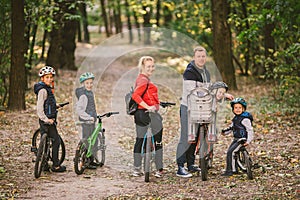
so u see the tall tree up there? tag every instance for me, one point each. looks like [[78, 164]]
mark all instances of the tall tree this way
[[17, 78], [128, 21], [222, 41], [69, 34], [104, 17]]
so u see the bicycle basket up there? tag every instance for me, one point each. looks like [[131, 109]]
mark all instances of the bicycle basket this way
[[200, 105]]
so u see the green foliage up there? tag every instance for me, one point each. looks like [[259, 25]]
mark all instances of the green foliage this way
[[287, 74]]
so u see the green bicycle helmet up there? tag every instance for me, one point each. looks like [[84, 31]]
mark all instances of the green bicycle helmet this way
[[240, 101], [86, 76]]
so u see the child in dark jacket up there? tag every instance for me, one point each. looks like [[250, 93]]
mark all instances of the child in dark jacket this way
[[242, 128], [47, 112]]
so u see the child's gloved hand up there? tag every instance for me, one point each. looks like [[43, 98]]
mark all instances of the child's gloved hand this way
[[223, 132], [226, 130]]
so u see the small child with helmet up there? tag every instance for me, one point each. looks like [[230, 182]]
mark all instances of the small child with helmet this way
[[242, 128], [47, 112], [86, 107]]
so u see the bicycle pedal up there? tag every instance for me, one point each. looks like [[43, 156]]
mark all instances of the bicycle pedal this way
[[33, 149]]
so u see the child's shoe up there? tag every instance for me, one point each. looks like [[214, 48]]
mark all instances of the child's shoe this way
[[227, 174], [60, 168], [193, 168], [137, 172], [159, 173]]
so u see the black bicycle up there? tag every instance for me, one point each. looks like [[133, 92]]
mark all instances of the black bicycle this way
[[243, 159], [149, 145], [43, 150]]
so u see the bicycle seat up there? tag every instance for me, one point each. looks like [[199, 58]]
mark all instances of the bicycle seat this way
[[242, 140]]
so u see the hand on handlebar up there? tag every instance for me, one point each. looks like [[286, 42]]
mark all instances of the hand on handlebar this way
[[152, 109], [50, 121]]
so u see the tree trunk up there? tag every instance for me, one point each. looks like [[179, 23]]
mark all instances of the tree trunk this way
[[128, 22], [17, 78], [43, 45], [137, 25], [222, 41], [158, 5], [79, 38], [55, 54], [86, 34], [147, 25], [31, 48], [104, 17], [68, 37], [167, 15]]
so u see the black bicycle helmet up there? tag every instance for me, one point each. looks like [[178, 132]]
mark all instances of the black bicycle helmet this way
[[219, 84], [240, 101]]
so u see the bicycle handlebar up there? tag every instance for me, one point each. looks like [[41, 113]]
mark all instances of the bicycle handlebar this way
[[63, 104], [166, 104], [107, 115]]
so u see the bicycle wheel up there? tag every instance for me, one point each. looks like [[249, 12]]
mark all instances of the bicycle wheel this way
[[147, 160], [80, 160], [101, 147], [248, 164], [61, 152], [41, 158], [203, 154], [240, 160]]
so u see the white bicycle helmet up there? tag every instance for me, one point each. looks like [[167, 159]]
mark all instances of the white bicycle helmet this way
[[46, 70]]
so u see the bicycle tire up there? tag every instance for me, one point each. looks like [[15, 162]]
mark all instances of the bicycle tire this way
[[41, 158], [61, 151], [204, 169], [240, 159], [80, 160], [101, 147], [203, 155], [147, 161], [248, 164]]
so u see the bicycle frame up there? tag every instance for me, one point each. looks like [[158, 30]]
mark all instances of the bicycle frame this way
[[150, 145], [93, 138]]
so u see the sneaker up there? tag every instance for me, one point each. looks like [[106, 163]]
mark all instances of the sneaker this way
[[158, 174], [137, 172], [227, 174], [95, 163], [183, 173], [193, 168], [60, 168], [90, 166]]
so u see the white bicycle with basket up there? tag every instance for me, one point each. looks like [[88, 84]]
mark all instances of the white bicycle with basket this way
[[202, 109]]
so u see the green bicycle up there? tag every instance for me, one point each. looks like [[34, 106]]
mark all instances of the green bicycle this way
[[92, 148]]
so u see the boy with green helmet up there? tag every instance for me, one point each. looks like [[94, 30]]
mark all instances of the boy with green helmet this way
[[86, 107]]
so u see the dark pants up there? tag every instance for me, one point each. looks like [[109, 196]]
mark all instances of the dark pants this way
[[230, 160], [142, 120], [87, 130], [185, 151], [51, 130]]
